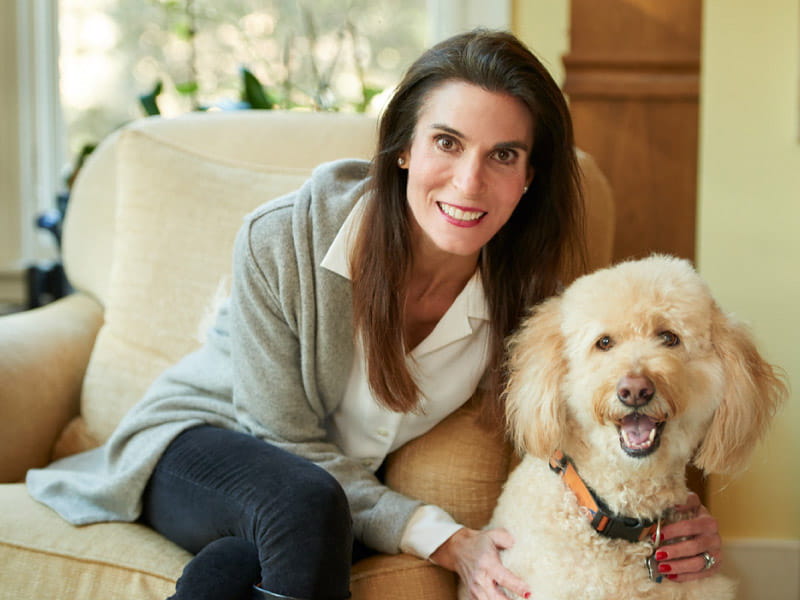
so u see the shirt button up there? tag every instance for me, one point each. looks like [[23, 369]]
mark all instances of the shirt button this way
[[383, 432]]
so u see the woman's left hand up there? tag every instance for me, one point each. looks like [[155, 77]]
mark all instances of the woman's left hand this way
[[694, 539]]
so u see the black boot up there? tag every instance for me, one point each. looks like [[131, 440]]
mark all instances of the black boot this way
[[262, 594]]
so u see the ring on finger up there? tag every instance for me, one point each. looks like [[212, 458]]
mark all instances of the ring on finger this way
[[710, 561]]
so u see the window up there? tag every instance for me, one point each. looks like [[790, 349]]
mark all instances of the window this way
[[320, 54]]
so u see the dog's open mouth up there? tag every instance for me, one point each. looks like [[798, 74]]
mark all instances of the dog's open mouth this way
[[639, 435]]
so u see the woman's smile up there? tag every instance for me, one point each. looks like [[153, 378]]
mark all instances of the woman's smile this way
[[461, 216]]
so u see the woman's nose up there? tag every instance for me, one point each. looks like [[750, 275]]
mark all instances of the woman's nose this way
[[469, 177]]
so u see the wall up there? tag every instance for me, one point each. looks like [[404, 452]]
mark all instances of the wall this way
[[748, 247], [748, 250], [750, 214], [544, 26]]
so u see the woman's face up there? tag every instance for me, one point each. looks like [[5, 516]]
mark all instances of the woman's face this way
[[467, 167]]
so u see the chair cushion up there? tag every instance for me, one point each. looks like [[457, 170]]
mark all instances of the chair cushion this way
[[43, 556], [270, 137], [50, 558], [401, 577], [460, 466], [177, 215]]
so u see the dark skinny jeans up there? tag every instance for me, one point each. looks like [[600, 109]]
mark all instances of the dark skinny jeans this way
[[251, 513]]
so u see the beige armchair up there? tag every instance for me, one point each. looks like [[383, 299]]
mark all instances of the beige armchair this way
[[147, 245]]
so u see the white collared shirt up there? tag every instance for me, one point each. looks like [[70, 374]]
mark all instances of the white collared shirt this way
[[447, 367]]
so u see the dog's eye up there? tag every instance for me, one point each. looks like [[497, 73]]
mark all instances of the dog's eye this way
[[605, 343], [669, 338]]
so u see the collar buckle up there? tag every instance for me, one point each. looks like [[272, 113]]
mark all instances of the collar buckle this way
[[602, 519]]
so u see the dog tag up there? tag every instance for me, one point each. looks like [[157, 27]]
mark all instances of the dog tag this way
[[652, 568], [650, 562]]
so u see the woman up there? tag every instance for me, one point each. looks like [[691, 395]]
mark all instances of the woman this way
[[365, 308]]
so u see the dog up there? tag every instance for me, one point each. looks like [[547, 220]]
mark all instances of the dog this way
[[615, 385]]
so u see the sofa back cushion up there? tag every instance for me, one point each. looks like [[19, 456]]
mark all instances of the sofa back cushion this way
[[178, 209], [277, 139]]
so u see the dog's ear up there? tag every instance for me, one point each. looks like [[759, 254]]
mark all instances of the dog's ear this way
[[754, 390], [534, 409]]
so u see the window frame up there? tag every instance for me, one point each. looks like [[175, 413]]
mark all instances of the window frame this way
[[448, 17], [40, 145]]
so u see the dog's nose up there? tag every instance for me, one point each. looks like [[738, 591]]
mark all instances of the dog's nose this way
[[635, 390]]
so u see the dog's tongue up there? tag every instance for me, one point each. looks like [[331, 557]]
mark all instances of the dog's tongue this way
[[636, 429]]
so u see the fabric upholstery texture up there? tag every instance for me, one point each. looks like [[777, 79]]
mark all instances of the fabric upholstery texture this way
[[162, 260], [41, 551], [459, 465], [401, 577], [147, 243]]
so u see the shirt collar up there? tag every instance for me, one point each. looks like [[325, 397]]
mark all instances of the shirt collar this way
[[337, 257], [462, 319]]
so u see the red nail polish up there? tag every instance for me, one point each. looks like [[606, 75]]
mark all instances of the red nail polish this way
[[672, 576], [527, 595], [664, 568], [661, 555]]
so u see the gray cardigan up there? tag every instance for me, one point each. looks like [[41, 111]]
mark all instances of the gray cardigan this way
[[272, 366]]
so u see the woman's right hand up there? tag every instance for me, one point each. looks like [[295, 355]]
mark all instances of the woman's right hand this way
[[475, 556]]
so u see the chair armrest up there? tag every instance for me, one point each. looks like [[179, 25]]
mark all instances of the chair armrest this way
[[459, 465], [401, 577], [600, 213], [43, 357]]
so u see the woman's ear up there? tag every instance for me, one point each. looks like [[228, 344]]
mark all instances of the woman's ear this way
[[531, 175], [402, 160], [534, 405], [754, 390]]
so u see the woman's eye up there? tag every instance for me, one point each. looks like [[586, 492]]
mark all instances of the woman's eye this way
[[605, 343], [669, 339], [445, 143], [505, 156]]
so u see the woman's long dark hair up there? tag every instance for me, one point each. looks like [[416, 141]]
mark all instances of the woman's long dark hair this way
[[522, 264]]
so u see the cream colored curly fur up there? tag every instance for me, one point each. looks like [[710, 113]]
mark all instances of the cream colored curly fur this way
[[713, 389]]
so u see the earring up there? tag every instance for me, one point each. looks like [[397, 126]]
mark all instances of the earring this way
[[525, 190], [401, 161]]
